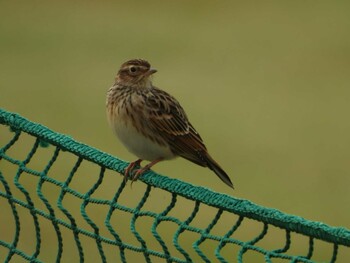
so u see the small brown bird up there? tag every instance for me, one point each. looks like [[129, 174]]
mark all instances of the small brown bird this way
[[151, 123]]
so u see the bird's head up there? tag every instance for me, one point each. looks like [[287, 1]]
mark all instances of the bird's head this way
[[135, 73]]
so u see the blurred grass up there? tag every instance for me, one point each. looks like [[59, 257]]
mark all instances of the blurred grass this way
[[266, 85]]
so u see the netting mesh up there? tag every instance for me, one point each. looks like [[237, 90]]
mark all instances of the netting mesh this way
[[85, 213]]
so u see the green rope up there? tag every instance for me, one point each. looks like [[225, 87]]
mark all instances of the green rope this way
[[89, 220], [29, 200], [18, 197], [49, 207]]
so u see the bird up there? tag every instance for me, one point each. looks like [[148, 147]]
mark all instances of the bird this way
[[152, 124]]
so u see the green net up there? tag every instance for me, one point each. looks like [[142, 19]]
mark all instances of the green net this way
[[86, 214]]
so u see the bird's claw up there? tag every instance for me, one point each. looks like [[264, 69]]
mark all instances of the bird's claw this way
[[129, 169], [138, 173]]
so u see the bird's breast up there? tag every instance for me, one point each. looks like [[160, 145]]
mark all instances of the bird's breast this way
[[130, 127]]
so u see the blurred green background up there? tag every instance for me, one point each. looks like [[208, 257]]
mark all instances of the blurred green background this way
[[265, 83]]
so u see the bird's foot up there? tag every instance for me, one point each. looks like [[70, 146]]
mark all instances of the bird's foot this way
[[129, 169], [140, 171]]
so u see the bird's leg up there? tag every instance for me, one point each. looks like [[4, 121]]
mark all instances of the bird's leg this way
[[144, 169], [130, 167]]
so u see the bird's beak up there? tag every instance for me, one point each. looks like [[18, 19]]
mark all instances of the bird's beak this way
[[151, 71]]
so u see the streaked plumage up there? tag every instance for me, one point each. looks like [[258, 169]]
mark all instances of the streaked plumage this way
[[151, 123]]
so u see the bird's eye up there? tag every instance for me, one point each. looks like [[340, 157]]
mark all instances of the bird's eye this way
[[133, 69]]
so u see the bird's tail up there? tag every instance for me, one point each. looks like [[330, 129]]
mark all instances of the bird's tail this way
[[214, 166]]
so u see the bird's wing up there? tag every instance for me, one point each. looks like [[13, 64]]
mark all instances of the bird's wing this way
[[167, 118]]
